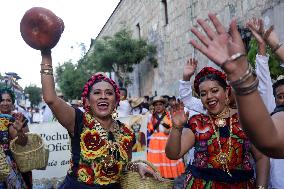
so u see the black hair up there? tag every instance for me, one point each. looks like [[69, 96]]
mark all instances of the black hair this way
[[147, 97], [9, 92], [166, 97], [172, 97], [214, 77], [276, 85], [123, 89]]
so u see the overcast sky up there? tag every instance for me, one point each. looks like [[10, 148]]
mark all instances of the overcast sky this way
[[83, 20]]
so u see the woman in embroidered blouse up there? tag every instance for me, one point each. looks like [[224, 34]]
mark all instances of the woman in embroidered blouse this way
[[222, 150], [158, 130], [101, 146], [12, 125]]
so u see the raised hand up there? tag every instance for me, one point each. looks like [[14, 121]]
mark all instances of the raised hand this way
[[189, 68], [219, 45], [257, 29], [178, 116]]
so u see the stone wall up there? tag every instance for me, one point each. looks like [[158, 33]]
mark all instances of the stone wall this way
[[172, 39]]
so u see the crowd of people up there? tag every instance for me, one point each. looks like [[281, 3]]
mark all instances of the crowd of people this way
[[221, 132]]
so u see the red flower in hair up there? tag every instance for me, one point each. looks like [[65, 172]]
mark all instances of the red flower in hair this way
[[206, 71]]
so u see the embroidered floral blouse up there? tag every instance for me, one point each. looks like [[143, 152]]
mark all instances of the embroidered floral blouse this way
[[5, 122], [207, 147], [98, 156]]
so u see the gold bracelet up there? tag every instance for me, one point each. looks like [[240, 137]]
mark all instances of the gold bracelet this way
[[245, 90], [243, 78], [47, 71], [234, 57]]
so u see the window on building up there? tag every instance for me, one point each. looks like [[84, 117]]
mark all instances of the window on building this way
[[138, 30], [165, 7]]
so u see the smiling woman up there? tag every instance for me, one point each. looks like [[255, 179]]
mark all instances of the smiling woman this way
[[101, 146], [222, 150]]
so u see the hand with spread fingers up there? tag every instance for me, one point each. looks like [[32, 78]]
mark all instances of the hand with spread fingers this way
[[179, 117], [221, 46], [189, 68], [257, 29]]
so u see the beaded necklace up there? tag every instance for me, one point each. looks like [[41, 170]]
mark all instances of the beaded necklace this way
[[223, 157]]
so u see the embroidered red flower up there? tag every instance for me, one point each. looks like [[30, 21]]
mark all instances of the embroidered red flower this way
[[92, 145], [201, 127], [108, 174]]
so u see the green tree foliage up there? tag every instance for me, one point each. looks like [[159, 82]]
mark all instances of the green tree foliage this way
[[34, 93], [71, 78], [274, 64], [119, 53]]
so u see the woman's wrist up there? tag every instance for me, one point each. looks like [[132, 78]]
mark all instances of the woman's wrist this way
[[186, 77], [239, 67], [262, 49]]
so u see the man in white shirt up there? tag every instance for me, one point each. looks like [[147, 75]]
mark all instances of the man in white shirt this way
[[124, 107]]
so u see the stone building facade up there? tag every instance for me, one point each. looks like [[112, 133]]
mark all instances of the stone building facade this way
[[167, 23]]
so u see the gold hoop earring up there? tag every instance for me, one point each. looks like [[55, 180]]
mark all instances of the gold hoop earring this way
[[114, 114], [227, 101]]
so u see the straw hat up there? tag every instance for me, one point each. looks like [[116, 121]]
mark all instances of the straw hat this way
[[159, 99], [280, 77], [136, 101]]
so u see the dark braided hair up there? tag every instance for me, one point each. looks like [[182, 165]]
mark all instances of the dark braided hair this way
[[8, 91], [93, 80]]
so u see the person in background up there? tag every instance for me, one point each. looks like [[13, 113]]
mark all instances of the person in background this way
[[36, 116], [278, 92], [146, 103], [124, 108], [171, 102], [136, 104], [47, 115], [158, 129], [13, 125]]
